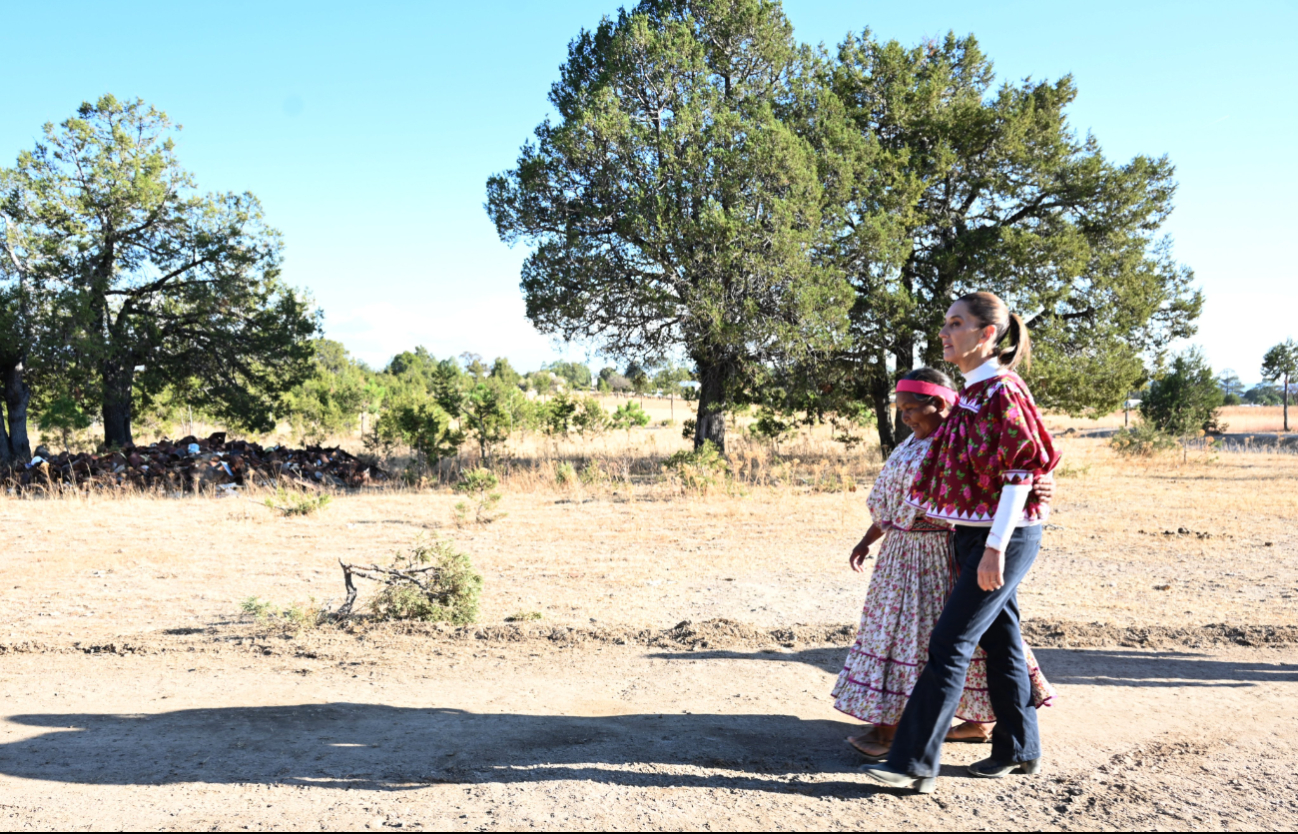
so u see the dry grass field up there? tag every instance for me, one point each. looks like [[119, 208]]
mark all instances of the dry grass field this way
[[1237, 419], [135, 695]]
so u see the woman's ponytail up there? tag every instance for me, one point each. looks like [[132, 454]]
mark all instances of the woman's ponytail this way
[[988, 310], [1019, 353]]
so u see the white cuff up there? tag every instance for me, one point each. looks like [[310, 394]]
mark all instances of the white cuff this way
[[1009, 512]]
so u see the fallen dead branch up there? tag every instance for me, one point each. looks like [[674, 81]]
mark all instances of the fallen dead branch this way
[[387, 576], [432, 582]]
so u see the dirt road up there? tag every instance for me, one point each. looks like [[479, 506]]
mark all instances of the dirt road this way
[[130, 696], [228, 729]]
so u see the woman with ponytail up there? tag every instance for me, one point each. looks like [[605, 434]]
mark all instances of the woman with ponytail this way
[[977, 474], [908, 588]]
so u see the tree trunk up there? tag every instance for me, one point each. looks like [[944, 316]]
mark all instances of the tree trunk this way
[[118, 382], [6, 456], [17, 395], [883, 413], [1285, 395], [711, 421], [904, 356]]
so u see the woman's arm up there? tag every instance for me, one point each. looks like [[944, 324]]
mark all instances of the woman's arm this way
[[862, 550], [991, 570], [1014, 497], [1024, 447]]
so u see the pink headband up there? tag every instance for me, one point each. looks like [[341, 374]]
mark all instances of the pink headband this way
[[927, 389]]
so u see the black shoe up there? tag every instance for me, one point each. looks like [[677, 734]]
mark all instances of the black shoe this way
[[992, 769], [904, 781]]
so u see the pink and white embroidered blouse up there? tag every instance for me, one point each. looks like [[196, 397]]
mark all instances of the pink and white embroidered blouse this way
[[994, 438], [887, 500]]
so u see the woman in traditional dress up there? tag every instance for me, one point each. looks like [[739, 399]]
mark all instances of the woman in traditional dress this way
[[910, 584], [978, 474]]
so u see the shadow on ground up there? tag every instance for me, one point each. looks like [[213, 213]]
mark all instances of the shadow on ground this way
[[1074, 667], [378, 747], [1118, 667]]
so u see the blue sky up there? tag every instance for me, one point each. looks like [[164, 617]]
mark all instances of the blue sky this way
[[368, 131]]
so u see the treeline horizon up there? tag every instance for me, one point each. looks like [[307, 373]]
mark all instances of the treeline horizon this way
[[428, 405], [432, 407], [789, 221]]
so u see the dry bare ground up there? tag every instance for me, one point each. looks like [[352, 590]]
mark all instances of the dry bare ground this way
[[678, 677]]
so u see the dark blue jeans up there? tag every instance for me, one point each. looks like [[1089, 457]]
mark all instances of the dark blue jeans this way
[[974, 617]]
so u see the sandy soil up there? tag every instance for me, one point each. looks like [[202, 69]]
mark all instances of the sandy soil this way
[[338, 732], [134, 697]]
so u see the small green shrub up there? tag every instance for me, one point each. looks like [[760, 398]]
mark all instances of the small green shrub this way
[[257, 608], [772, 426], [1142, 441], [422, 424], [698, 471], [478, 484], [299, 615], [837, 482], [523, 616], [449, 592], [296, 503], [688, 427], [593, 473], [629, 416], [296, 616], [590, 419], [558, 414], [565, 474], [1070, 470]]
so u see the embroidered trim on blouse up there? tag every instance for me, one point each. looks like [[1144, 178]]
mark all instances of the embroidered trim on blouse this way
[[919, 526]]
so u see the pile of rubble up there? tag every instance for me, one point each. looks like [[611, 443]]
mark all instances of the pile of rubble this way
[[191, 464]]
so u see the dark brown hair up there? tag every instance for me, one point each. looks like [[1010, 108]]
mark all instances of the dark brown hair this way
[[988, 310], [935, 377]]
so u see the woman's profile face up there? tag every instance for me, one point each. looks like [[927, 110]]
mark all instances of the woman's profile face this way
[[920, 417], [962, 337]]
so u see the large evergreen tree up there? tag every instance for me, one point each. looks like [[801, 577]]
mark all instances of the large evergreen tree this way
[[1008, 198], [38, 366], [157, 284], [17, 322], [677, 200]]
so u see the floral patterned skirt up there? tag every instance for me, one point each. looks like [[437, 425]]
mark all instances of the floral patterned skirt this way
[[911, 581]]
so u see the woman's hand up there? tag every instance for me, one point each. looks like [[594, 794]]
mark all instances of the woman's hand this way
[[1043, 488], [991, 570], [862, 550], [859, 554]]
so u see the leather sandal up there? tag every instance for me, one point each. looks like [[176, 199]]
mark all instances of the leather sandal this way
[[870, 739], [868, 755], [968, 739], [992, 769]]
